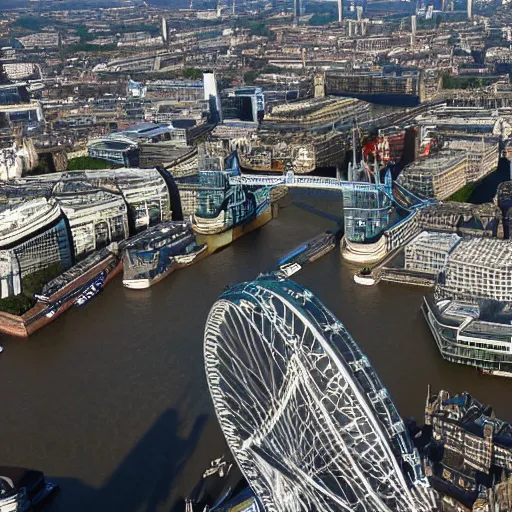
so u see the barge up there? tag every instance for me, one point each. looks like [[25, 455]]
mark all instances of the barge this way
[[310, 251], [153, 254], [23, 489], [69, 289]]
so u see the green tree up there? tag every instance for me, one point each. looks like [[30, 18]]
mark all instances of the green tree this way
[[192, 73], [250, 76], [82, 163]]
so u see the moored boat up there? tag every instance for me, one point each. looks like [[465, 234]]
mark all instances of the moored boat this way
[[365, 280], [288, 269], [23, 489], [64, 291], [496, 373], [312, 250], [91, 290], [152, 255]]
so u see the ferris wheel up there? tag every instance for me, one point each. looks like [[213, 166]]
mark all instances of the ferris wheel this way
[[301, 408]]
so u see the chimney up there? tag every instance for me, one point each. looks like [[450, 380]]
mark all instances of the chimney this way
[[340, 11]]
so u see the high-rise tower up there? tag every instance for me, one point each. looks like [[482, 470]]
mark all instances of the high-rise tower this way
[[211, 94], [165, 31]]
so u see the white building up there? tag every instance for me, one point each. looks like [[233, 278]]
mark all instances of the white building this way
[[478, 269], [33, 236]]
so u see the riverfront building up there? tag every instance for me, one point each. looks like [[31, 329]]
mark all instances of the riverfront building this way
[[96, 218], [147, 193], [438, 176], [33, 236], [470, 315], [482, 156], [428, 252], [478, 269], [465, 219]]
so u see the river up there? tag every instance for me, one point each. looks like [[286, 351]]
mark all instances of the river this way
[[111, 401]]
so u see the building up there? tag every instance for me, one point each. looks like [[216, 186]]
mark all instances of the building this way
[[470, 314], [176, 90], [474, 470], [211, 95], [317, 114], [96, 217], [402, 87], [41, 41], [124, 147], [17, 158], [33, 237], [243, 103], [478, 269], [428, 252], [465, 219], [19, 70], [115, 148], [438, 176], [483, 156], [147, 192]]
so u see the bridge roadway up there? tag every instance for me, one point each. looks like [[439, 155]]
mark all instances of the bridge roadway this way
[[299, 181], [399, 195]]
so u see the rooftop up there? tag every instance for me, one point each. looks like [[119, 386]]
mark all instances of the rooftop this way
[[483, 252]]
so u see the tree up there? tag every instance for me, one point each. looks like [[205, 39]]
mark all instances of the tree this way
[[192, 73], [250, 76]]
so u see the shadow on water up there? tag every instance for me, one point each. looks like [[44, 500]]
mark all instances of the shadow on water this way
[[145, 479]]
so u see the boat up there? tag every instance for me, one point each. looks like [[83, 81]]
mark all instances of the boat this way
[[312, 250], [365, 280], [23, 489], [288, 269], [222, 489], [496, 373], [153, 254], [91, 290], [75, 286]]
